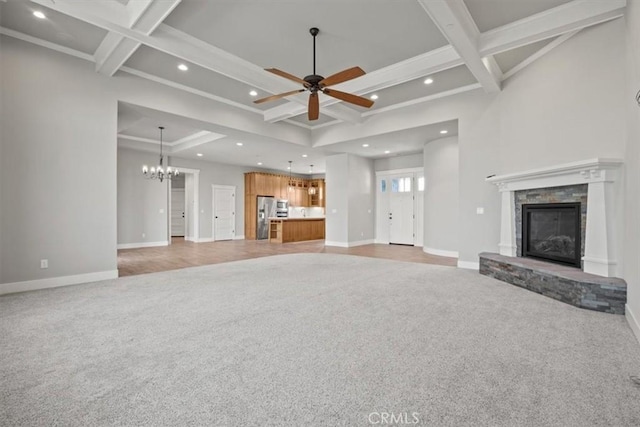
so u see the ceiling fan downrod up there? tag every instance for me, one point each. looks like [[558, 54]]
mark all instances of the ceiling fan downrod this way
[[314, 32]]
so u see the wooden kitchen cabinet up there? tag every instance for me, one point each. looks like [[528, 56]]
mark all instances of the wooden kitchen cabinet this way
[[266, 184], [317, 199]]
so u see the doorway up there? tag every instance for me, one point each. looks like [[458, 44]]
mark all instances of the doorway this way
[[224, 212], [398, 213], [183, 218], [178, 206]]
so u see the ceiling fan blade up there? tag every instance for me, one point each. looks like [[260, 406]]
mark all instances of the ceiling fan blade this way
[[314, 106], [278, 96], [287, 76], [342, 76], [348, 97]]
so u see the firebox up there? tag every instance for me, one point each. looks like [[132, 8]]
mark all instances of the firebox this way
[[551, 231]]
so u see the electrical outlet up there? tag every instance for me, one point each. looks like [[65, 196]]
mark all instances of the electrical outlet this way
[[480, 211], [144, 235], [44, 263]]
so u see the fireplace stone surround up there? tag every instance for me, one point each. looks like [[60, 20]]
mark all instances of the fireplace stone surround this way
[[596, 286], [602, 227]]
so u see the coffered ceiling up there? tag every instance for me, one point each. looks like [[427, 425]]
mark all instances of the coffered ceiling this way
[[460, 45]]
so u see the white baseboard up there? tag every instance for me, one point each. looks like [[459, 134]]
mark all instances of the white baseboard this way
[[633, 321], [348, 244], [205, 240], [381, 242], [440, 252], [54, 282], [210, 239], [469, 265], [142, 245]]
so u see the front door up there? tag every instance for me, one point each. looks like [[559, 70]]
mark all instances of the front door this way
[[401, 214], [224, 215]]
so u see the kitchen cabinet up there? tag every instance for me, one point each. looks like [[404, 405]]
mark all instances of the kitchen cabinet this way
[[317, 198], [266, 184], [285, 230]]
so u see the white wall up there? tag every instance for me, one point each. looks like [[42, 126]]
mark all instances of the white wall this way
[[441, 205], [58, 171], [140, 201], [399, 162], [632, 167]]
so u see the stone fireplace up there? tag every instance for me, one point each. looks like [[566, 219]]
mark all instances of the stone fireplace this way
[[569, 253], [593, 183]]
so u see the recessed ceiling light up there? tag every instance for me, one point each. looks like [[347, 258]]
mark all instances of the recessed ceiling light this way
[[182, 67], [386, 151], [428, 81], [444, 131], [39, 14], [304, 155], [253, 93], [259, 163], [374, 96], [365, 145], [239, 144], [199, 154]]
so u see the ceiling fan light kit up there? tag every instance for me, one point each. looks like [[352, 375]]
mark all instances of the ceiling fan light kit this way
[[315, 83]]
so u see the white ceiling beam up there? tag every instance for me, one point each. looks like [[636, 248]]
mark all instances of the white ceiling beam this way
[[563, 19], [144, 16], [198, 138], [454, 21], [419, 66], [181, 45]]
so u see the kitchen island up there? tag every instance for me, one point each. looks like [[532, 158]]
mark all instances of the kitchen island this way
[[284, 230]]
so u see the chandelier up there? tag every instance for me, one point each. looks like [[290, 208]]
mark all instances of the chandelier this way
[[158, 172]]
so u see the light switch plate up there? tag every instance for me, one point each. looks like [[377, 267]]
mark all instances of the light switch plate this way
[[480, 211]]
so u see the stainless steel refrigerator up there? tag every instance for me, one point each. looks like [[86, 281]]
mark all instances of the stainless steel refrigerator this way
[[266, 209]]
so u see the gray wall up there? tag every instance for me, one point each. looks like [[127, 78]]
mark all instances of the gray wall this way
[[350, 184], [632, 163], [536, 122], [58, 171], [220, 174], [362, 186], [441, 205], [140, 200], [337, 202]]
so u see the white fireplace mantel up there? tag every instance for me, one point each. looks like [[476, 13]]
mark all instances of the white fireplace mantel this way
[[602, 177]]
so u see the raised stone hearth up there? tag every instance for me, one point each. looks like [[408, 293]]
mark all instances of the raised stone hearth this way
[[566, 284], [563, 183]]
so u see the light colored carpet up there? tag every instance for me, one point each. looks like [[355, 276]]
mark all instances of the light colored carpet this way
[[313, 340]]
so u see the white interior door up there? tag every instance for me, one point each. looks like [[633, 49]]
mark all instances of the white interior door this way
[[177, 212], [401, 211], [224, 215]]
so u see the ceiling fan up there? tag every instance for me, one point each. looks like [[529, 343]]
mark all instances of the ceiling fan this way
[[315, 83]]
